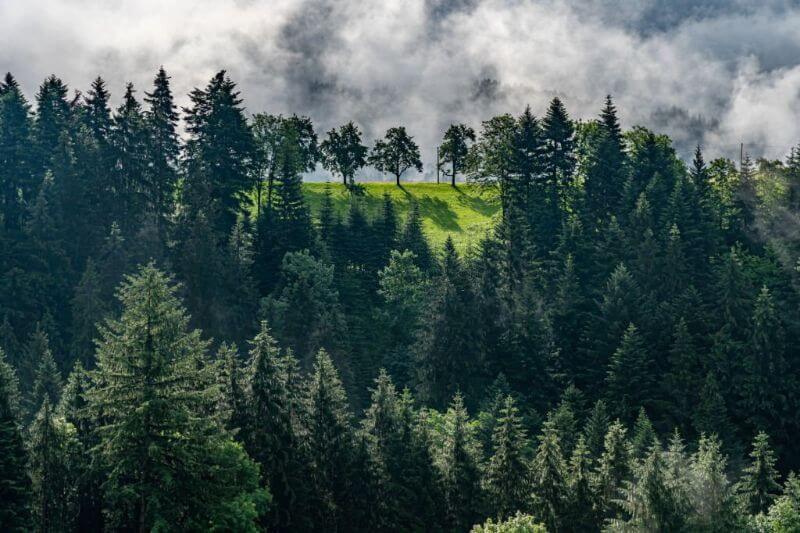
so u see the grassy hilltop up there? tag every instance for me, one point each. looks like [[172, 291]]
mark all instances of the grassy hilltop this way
[[461, 212]]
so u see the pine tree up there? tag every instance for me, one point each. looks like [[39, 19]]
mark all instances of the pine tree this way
[[15, 489], [550, 489], [53, 116], [508, 482], [152, 381], [759, 487], [47, 379], [330, 443], [606, 172]]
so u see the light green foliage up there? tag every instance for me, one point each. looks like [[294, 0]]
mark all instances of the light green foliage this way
[[519, 523]]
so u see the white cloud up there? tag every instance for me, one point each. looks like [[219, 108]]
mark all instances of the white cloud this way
[[719, 72]]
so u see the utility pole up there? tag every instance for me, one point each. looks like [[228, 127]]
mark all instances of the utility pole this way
[[438, 164], [741, 156]]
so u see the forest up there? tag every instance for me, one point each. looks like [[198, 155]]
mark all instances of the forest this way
[[186, 345]]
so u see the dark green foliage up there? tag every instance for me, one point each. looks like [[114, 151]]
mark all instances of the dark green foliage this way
[[15, 486], [508, 482], [550, 480], [759, 485], [148, 358], [454, 149], [396, 153], [343, 153]]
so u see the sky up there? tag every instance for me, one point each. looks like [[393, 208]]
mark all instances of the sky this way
[[717, 72]]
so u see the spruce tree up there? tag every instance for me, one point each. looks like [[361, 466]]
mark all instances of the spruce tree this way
[[15, 486], [508, 481], [581, 514], [713, 500], [17, 162], [758, 486], [550, 481], [558, 151], [330, 443], [220, 152], [613, 469], [629, 377], [596, 428], [54, 461], [644, 436], [163, 150], [152, 381], [413, 239], [269, 427], [460, 469]]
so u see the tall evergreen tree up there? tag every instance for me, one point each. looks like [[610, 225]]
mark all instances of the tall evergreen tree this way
[[550, 489], [149, 359], [759, 486], [508, 482], [330, 443], [17, 158], [15, 486]]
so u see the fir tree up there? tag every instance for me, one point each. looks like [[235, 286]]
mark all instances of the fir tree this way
[[413, 239], [163, 149], [629, 379], [559, 144], [644, 436], [596, 429]]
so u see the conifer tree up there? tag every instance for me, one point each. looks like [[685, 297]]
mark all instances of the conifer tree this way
[[16, 155], [713, 502], [15, 487], [163, 149], [550, 482], [596, 429], [613, 468], [446, 351], [88, 310], [581, 514], [148, 359], [629, 379], [460, 469], [508, 482], [559, 143], [47, 379], [53, 116], [644, 436], [710, 417], [269, 426], [606, 172], [413, 239], [759, 487], [330, 443], [220, 152], [54, 458]]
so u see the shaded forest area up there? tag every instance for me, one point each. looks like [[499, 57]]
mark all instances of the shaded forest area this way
[[184, 347]]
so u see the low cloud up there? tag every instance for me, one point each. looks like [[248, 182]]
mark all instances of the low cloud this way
[[719, 73]]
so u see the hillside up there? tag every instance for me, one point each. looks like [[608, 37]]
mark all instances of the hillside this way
[[460, 212]]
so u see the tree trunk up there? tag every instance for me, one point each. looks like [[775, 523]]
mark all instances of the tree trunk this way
[[453, 177]]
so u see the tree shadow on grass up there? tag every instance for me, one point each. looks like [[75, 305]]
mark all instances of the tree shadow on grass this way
[[439, 212], [483, 204]]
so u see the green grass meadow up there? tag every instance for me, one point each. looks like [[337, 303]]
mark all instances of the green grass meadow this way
[[460, 212]]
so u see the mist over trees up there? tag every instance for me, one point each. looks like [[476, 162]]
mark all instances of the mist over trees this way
[[186, 345]]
